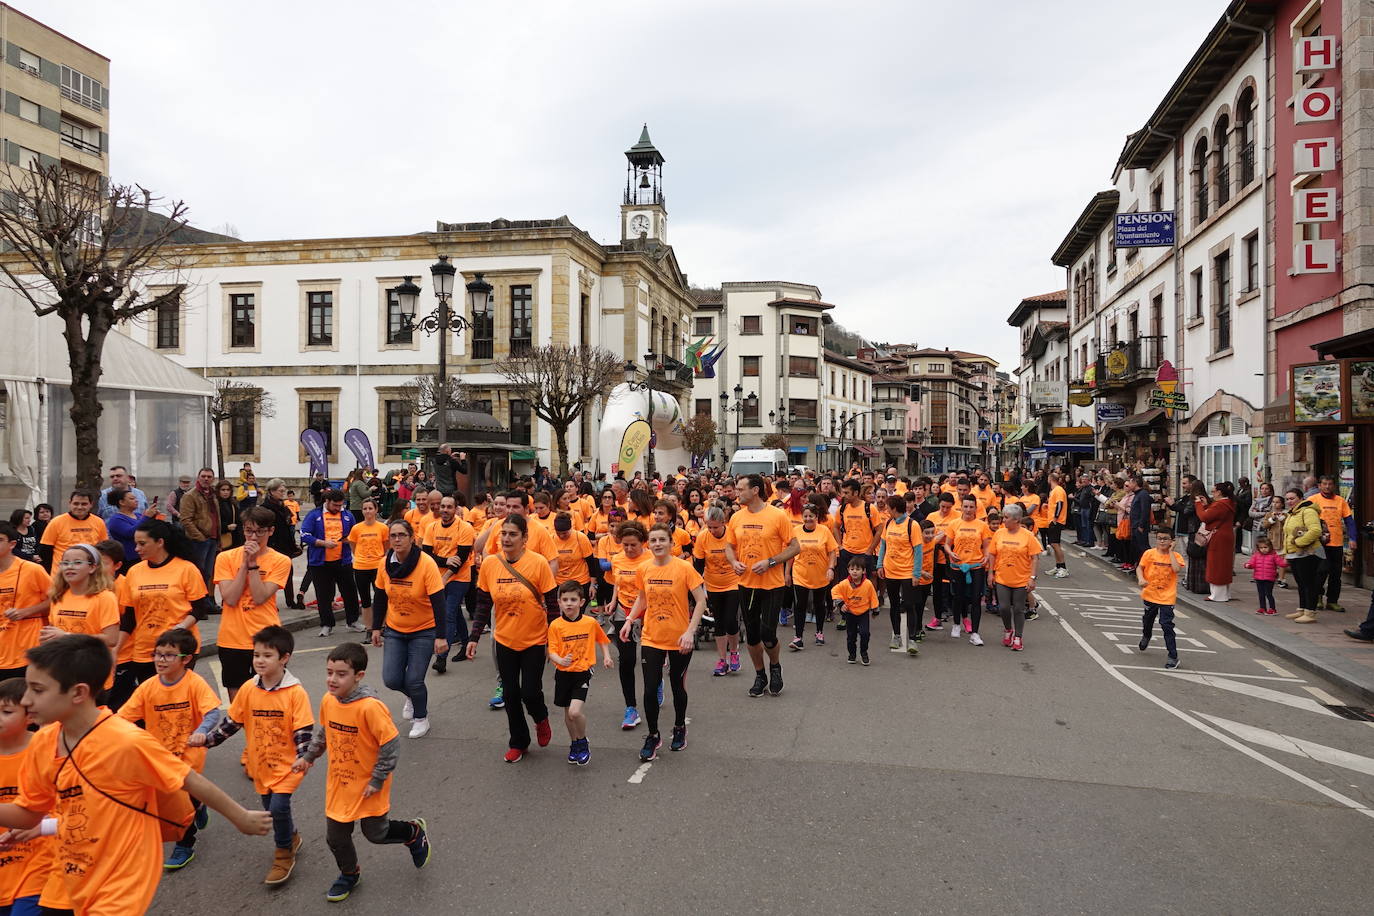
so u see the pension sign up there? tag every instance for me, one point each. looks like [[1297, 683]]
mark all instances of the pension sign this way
[[1145, 230]]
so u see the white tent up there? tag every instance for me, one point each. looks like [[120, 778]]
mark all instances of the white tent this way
[[153, 420]]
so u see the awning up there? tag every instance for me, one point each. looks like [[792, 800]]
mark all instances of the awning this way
[[1136, 420], [796, 450], [524, 454], [866, 451], [1022, 431], [1061, 448]]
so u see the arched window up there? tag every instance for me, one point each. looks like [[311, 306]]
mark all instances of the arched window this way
[[1222, 171], [1200, 181], [1245, 123], [1077, 296]]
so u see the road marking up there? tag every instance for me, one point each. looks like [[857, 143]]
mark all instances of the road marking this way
[[1323, 696], [1212, 732], [1253, 677], [1224, 640], [1309, 749], [1253, 690], [638, 775], [1275, 669]]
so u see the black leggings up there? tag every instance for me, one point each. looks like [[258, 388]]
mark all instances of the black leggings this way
[[724, 608], [380, 829], [522, 678], [363, 581], [817, 599], [626, 656], [941, 588], [1307, 571], [900, 597], [759, 608], [653, 677], [968, 596]]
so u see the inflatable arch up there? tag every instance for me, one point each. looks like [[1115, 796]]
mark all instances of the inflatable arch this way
[[624, 407]]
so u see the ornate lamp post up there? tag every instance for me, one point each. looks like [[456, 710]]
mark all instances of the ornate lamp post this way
[[738, 407]]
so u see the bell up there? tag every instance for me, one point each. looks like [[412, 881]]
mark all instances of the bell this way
[[643, 179]]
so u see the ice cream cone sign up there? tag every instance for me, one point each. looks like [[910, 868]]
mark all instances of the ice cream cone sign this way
[[1166, 380]]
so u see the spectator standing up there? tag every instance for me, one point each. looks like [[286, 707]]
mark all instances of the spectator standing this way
[[324, 532], [1339, 523], [199, 510], [1245, 498], [119, 479], [1219, 517], [173, 503]]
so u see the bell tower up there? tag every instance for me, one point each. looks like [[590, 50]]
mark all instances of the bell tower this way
[[643, 214]]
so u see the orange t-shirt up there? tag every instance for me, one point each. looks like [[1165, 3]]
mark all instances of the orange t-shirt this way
[[682, 543], [1058, 503], [667, 592], [64, 531], [859, 523], [89, 614], [1161, 582], [985, 497], [900, 540], [539, 541], [369, 540], [353, 736], [171, 712], [476, 517], [161, 597], [518, 619], [607, 549], [927, 559], [811, 567], [242, 619], [758, 536], [598, 523], [109, 855], [26, 865], [270, 719], [966, 541], [545, 522], [1013, 556], [408, 608], [719, 575], [445, 542], [576, 639], [572, 555], [333, 531], [419, 521], [624, 576], [857, 601], [24, 584], [1334, 510]]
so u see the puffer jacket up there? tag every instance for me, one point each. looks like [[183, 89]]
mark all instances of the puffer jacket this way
[[1302, 531]]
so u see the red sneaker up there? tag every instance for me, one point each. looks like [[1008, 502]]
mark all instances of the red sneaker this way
[[968, 625], [1261, 611], [543, 733], [1008, 637], [514, 755], [1272, 611], [1016, 645]]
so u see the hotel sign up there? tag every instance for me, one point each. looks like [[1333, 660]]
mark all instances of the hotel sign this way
[[1314, 205]]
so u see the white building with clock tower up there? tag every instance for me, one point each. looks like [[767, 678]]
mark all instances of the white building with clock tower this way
[[644, 214]]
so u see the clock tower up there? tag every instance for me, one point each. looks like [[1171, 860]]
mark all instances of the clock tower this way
[[643, 214]]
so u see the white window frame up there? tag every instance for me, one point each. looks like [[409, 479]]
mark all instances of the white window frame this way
[[1223, 458]]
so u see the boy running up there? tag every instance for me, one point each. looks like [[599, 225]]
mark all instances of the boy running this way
[[859, 598], [1157, 572], [573, 639], [28, 854]]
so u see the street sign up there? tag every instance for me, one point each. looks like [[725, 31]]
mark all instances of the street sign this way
[[1145, 230], [1108, 412], [1169, 400], [983, 435], [997, 438], [820, 446]]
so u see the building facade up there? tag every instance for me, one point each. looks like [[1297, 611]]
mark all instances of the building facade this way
[[1041, 377], [848, 414]]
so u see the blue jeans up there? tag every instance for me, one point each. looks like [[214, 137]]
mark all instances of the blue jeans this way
[[405, 659], [283, 827], [1165, 612], [1085, 531], [22, 906], [455, 623], [202, 555]]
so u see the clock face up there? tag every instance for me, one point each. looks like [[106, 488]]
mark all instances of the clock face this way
[[639, 225]]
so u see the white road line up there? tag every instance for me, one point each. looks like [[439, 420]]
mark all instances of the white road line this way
[[1253, 677], [1309, 749], [1274, 669], [1224, 640], [638, 775], [1323, 696], [1253, 690], [1209, 730]]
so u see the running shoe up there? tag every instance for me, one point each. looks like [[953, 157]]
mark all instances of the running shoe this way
[[853, 660], [796, 644], [760, 685], [343, 886], [650, 749], [356, 626], [498, 699], [572, 751], [911, 648], [1144, 643], [325, 631], [968, 625], [515, 755], [584, 753], [864, 658], [1061, 573], [895, 643], [1008, 636], [1016, 644], [722, 669], [1281, 583], [419, 844], [1032, 613], [934, 624], [408, 710], [840, 622], [543, 733], [774, 679], [202, 817], [820, 639], [679, 738], [631, 718], [975, 640], [784, 618], [419, 728], [181, 857], [955, 631], [1171, 664], [734, 662]]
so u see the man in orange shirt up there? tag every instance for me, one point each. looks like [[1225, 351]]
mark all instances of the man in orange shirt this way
[[249, 578], [449, 540], [78, 525], [1056, 511], [759, 540], [1157, 572], [1336, 516]]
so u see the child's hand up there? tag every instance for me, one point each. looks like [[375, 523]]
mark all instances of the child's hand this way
[[252, 823], [626, 631], [608, 663], [301, 765], [368, 791], [12, 838], [196, 739]]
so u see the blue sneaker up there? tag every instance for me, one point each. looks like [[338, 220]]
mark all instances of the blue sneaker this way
[[679, 738], [498, 699], [202, 817], [343, 886], [784, 618], [181, 857], [650, 749], [572, 751], [584, 753], [419, 844], [631, 718]]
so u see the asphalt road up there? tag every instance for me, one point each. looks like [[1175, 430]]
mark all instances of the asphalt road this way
[[1073, 777]]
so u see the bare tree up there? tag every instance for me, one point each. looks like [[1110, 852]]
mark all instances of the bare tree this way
[[236, 400], [82, 250], [424, 393], [699, 435], [559, 383], [775, 440]]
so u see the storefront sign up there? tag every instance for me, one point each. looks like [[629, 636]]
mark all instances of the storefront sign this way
[[1145, 230], [1081, 398], [1169, 400], [1069, 432], [1313, 206], [1315, 389], [1118, 363], [1042, 392], [1109, 413], [1361, 375]]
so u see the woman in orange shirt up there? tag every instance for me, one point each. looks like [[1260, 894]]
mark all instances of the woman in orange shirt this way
[[669, 633], [625, 567], [369, 540], [1012, 552], [811, 571], [516, 584], [165, 591], [408, 610], [722, 590]]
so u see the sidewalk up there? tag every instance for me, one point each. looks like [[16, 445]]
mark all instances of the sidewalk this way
[[1320, 647]]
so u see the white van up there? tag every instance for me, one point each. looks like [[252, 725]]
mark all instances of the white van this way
[[770, 461]]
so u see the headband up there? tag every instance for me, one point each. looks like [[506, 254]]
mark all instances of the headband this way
[[90, 552]]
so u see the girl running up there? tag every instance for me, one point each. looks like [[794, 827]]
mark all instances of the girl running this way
[[722, 590], [811, 571], [625, 568]]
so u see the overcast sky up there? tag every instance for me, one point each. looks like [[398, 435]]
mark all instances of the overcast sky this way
[[917, 161]]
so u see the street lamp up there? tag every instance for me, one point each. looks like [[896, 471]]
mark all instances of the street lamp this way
[[741, 402], [443, 320], [652, 365]]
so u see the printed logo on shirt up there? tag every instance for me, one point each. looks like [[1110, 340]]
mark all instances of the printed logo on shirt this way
[[341, 727], [169, 707], [269, 713]]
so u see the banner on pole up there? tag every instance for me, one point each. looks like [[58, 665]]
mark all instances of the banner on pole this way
[[358, 444], [312, 440]]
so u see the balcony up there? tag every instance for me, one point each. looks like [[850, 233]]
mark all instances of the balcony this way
[[1129, 362]]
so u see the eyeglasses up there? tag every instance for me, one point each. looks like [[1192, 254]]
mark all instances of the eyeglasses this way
[[65, 564], [254, 532], [164, 657]]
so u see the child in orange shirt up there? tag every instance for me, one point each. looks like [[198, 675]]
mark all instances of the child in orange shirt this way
[[573, 639], [859, 598], [172, 706], [28, 854], [274, 712], [356, 729], [1157, 572]]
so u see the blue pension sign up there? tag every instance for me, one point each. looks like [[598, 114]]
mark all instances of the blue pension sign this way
[[1145, 230]]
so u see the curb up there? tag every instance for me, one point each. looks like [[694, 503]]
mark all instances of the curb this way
[[295, 625], [1312, 658]]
